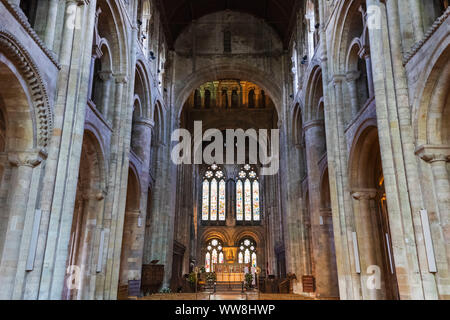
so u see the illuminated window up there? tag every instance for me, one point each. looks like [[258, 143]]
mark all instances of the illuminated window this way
[[214, 194], [247, 252], [247, 195], [214, 254]]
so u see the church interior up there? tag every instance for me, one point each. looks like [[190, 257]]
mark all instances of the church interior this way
[[93, 207]]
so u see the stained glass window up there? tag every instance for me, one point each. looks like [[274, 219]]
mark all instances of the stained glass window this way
[[248, 206], [222, 207], [208, 262], [239, 204], [247, 252], [214, 255], [255, 200], [213, 200], [214, 194], [248, 200], [205, 200], [246, 256]]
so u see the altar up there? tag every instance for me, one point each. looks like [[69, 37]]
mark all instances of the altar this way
[[230, 273]]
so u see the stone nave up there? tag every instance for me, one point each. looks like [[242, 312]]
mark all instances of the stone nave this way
[[92, 205]]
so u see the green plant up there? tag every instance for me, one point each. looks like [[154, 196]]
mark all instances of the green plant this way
[[165, 290], [211, 277], [192, 278], [248, 280]]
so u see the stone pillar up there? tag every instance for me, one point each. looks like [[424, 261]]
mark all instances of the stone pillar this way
[[46, 281], [106, 77], [51, 23], [365, 54], [322, 251], [23, 163], [351, 83], [369, 243], [215, 97], [417, 22], [438, 157], [131, 259], [202, 97]]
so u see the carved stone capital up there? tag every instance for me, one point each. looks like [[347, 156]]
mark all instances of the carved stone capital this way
[[364, 194], [433, 153], [134, 212], [313, 123], [352, 76], [145, 122], [364, 53], [121, 78], [337, 79], [105, 75], [27, 158]]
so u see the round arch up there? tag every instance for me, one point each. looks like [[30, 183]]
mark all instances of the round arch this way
[[228, 71], [362, 155], [431, 98]]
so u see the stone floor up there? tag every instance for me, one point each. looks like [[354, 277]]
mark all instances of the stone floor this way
[[232, 295]]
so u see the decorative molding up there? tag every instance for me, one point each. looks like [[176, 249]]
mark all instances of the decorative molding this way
[[439, 21], [364, 194], [433, 153], [43, 112], [23, 20], [313, 123], [27, 159]]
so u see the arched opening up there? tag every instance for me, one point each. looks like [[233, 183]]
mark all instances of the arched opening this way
[[234, 98], [207, 99], [101, 81], [432, 9], [251, 98], [213, 254], [144, 22], [372, 216], [130, 263], [357, 79], [197, 99], [18, 157], [82, 262], [29, 8]]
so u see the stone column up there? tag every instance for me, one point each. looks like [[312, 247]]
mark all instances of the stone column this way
[[322, 251], [51, 23], [131, 259], [369, 243], [417, 22], [438, 157], [106, 77], [365, 54], [23, 163], [351, 83], [215, 97], [202, 97]]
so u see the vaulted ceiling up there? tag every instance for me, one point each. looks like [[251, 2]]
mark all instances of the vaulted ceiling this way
[[177, 14]]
